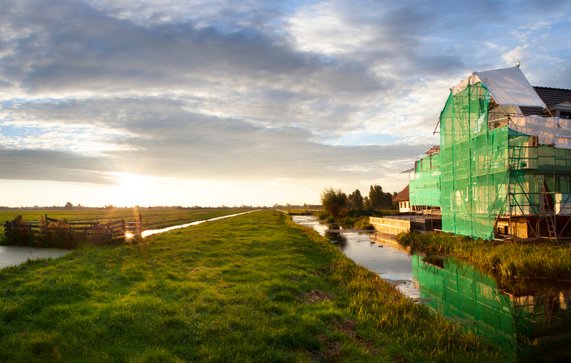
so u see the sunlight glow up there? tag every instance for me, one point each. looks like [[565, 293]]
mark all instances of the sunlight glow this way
[[132, 189]]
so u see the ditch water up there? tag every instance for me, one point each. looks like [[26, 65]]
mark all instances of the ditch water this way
[[390, 263], [15, 255], [150, 232], [530, 323]]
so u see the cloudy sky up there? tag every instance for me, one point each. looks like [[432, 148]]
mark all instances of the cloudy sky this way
[[211, 102]]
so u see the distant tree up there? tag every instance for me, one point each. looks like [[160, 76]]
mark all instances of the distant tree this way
[[356, 200], [68, 205], [379, 199], [367, 203], [335, 202], [375, 196]]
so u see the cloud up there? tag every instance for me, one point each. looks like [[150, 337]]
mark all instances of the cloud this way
[[322, 92], [515, 55], [53, 166], [112, 55], [167, 139]]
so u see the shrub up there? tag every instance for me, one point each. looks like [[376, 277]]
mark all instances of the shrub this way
[[335, 202]]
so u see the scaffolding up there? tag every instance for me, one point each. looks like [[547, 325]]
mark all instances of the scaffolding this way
[[495, 180], [539, 189], [424, 189]]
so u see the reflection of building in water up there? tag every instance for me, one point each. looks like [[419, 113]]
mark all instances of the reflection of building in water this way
[[531, 327], [387, 228]]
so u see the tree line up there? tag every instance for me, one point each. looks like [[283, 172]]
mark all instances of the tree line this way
[[338, 204]]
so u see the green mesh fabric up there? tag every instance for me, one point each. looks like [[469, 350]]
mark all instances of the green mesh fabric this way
[[474, 165], [530, 327], [460, 292], [481, 174], [425, 187]]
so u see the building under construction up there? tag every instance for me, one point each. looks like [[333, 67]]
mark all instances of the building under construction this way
[[503, 166]]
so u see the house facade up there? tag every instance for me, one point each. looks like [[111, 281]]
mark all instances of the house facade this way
[[403, 200]]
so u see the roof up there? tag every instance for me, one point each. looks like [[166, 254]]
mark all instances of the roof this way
[[403, 196], [508, 87], [551, 96], [433, 150]]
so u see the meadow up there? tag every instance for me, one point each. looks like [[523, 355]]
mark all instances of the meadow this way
[[153, 218], [252, 288]]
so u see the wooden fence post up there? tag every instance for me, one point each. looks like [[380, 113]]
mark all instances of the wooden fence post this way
[[140, 225]]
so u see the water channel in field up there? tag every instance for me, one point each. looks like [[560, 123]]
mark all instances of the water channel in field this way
[[15, 255], [389, 262], [529, 323], [150, 232]]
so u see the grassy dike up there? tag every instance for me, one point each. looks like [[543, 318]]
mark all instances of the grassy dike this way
[[250, 288]]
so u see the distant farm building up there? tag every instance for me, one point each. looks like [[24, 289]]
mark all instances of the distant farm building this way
[[403, 199], [503, 166]]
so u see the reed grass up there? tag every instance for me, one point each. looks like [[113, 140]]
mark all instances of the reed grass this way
[[507, 261]]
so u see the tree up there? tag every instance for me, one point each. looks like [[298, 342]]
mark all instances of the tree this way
[[356, 200], [367, 203], [68, 205], [335, 202], [379, 199], [376, 196]]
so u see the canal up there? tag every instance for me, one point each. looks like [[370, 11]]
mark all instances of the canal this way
[[390, 263], [531, 321], [15, 255]]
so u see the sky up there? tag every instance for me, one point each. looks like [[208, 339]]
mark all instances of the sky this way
[[219, 102]]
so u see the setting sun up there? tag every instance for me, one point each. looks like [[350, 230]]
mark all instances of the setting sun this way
[[131, 188]]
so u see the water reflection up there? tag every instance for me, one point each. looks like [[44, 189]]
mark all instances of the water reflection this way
[[531, 325], [337, 238], [15, 255], [150, 232], [391, 263]]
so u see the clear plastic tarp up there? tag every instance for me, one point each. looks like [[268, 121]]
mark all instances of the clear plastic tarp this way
[[507, 86], [549, 130]]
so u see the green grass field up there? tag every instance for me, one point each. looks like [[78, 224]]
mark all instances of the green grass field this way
[[250, 288], [153, 218]]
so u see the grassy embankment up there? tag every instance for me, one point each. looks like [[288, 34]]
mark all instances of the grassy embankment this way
[[153, 218], [509, 262], [249, 288]]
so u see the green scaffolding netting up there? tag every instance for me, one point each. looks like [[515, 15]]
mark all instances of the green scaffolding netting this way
[[482, 173], [425, 187], [474, 165]]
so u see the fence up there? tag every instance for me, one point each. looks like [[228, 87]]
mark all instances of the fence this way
[[51, 232]]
